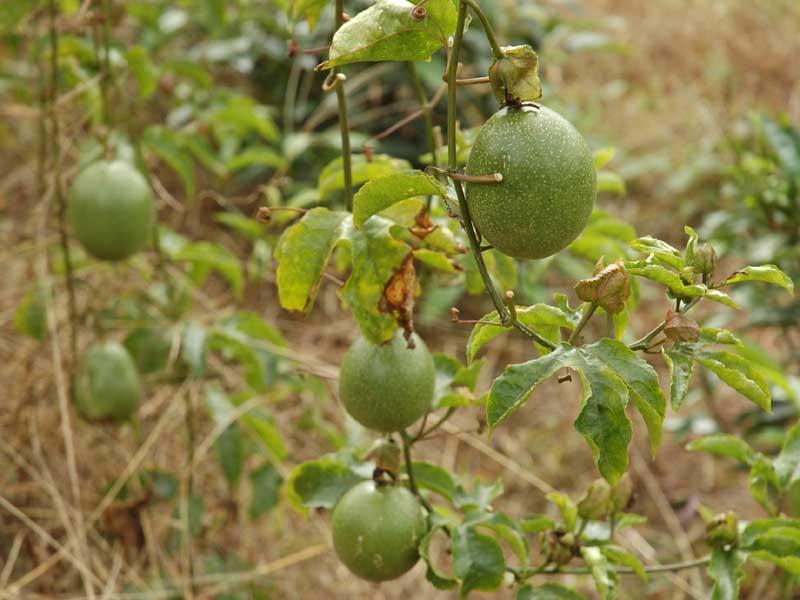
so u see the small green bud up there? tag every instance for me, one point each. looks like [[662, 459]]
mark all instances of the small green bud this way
[[515, 77], [559, 547], [621, 494], [704, 259], [723, 531], [595, 503], [609, 288]]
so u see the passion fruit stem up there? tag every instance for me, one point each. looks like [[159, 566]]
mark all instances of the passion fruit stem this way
[[487, 27], [587, 315], [645, 342], [408, 441], [452, 71], [344, 126], [58, 190]]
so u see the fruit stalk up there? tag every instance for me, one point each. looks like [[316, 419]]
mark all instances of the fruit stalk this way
[[412, 483], [452, 88], [57, 189], [344, 126], [487, 27]]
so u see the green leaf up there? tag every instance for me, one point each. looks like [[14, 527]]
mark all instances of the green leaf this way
[[194, 348], [266, 484], [536, 524], [723, 444], [602, 420], [230, 452], [620, 556], [567, 508], [739, 373], [241, 224], [681, 368], [257, 156], [382, 192], [310, 10], [604, 578], [774, 540], [766, 273], [206, 256], [787, 464], [765, 486], [481, 496], [544, 319], [143, 69], [441, 581], [166, 145], [387, 30], [548, 591], [721, 298], [508, 531], [30, 317], [436, 260], [662, 251], [666, 277], [433, 477], [165, 485], [477, 561], [725, 569], [241, 116], [641, 380], [320, 483], [13, 14], [331, 178], [303, 253], [266, 432], [603, 156], [610, 182], [377, 256], [515, 385]]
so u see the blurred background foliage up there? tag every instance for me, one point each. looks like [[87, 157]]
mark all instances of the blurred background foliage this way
[[696, 104]]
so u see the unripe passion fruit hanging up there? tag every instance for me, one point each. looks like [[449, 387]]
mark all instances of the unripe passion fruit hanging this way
[[548, 187], [111, 210], [377, 530], [108, 387], [388, 386]]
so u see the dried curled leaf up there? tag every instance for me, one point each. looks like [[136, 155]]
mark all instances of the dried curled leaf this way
[[609, 288], [680, 328], [515, 77]]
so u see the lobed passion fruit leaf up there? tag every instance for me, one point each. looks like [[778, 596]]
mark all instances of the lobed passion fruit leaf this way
[[382, 192], [393, 30]]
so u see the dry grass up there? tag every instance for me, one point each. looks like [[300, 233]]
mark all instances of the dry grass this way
[[691, 68]]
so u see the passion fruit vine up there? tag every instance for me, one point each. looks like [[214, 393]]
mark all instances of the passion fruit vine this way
[[377, 530], [111, 210], [386, 387], [549, 182]]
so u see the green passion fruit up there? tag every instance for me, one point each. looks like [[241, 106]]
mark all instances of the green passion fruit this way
[[111, 210], [386, 387], [549, 182], [108, 387], [377, 530]]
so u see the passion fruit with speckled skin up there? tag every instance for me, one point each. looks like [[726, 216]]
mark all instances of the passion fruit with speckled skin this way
[[386, 387], [108, 387], [377, 530], [111, 210], [549, 182]]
